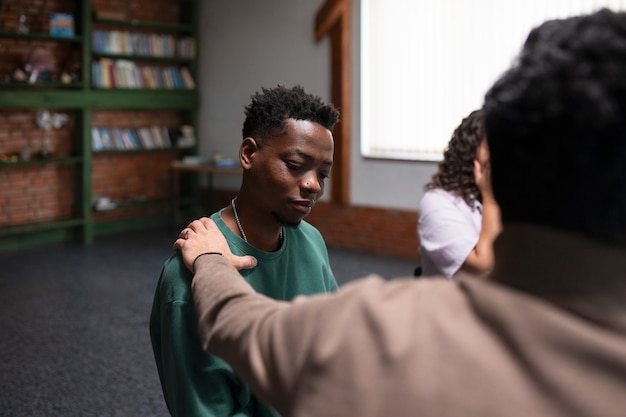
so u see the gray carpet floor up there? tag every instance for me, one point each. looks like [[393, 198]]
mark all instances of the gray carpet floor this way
[[74, 324]]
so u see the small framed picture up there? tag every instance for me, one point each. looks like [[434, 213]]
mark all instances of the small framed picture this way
[[62, 24]]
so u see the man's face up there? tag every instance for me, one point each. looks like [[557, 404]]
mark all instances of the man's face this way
[[289, 171]]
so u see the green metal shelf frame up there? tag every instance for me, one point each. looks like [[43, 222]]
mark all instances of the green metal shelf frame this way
[[128, 99], [146, 58], [146, 25], [43, 161], [40, 37]]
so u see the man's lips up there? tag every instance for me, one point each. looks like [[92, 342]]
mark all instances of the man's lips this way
[[303, 206]]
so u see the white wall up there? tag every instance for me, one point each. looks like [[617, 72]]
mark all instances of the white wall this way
[[249, 44]]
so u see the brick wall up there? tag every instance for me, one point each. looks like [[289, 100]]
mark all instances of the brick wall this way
[[35, 193], [379, 231], [145, 10]]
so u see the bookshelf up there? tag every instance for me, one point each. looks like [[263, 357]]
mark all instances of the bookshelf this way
[[52, 198]]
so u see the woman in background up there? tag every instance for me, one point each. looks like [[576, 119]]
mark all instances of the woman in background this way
[[459, 218]]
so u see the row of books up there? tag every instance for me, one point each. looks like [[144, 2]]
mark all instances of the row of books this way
[[107, 73], [116, 138], [136, 43]]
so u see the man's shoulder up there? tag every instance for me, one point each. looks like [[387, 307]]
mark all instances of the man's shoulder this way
[[175, 279], [174, 262]]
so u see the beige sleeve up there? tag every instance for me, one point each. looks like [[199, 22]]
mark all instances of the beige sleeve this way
[[276, 347]]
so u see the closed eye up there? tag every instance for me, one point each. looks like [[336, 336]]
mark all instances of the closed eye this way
[[292, 166]]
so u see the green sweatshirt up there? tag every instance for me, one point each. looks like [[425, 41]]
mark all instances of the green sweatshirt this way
[[198, 384]]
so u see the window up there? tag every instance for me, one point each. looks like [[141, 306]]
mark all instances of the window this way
[[427, 64]]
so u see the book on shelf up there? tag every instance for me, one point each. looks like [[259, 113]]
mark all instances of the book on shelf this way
[[119, 141], [187, 78], [159, 139], [186, 47], [102, 73], [132, 135], [96, 140], [62, 24], [177, 78], [107, 142], [114, 44], [122, 73], [148, 77], [137, 43], [146, 138], [127, 138]]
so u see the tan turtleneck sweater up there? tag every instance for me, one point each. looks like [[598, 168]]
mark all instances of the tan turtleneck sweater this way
[[545, 335]]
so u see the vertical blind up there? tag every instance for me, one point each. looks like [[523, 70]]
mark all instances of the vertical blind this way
[[427, 64]]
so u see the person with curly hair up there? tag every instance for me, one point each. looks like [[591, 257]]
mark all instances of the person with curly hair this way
[[286, 154], [459, 218]]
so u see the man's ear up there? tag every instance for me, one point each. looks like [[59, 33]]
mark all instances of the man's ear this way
[[247, 150]]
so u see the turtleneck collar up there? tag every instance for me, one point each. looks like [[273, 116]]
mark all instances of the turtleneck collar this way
[[570, 270]]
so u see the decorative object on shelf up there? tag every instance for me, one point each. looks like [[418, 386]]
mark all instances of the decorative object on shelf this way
[[11, 157], [62, 24], [46, 121], [187, 138], [22, 23], [19, 75], [102, 203], [39, 65]]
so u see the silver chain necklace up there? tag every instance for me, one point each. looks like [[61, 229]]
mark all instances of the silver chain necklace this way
[[243, 234]]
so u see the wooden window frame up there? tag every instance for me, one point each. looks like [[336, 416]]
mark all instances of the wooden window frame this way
[[333, 20]]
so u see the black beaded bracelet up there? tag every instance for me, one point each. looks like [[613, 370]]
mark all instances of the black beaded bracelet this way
[[202, 254]]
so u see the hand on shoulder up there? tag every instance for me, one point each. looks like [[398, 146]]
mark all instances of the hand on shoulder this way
[[203, 236]]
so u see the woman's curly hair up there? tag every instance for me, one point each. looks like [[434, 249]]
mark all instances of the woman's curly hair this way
[[456, 171]]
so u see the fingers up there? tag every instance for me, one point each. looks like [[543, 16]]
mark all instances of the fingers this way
[[243, 262], [184, 233], [178, 244], [196, 225], [202, 236]]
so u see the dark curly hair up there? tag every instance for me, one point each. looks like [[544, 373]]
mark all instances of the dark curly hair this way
[[267, 114], [556, 128], [456, 171]]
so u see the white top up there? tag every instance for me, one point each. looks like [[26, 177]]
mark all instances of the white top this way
[[448, 229]]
